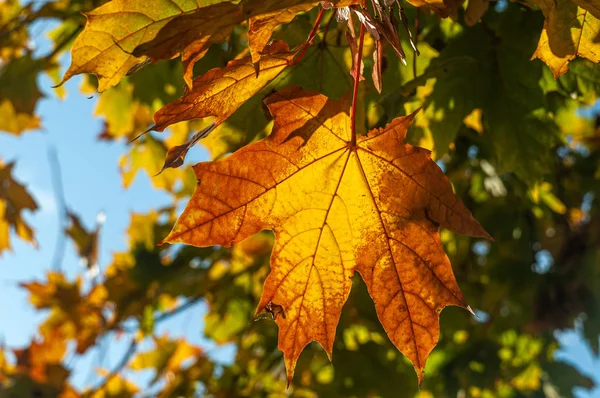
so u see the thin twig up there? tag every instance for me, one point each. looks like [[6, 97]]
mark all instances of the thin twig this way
[[59, 195], [416, 42], [190, 303], [122, 363], [356, 82]]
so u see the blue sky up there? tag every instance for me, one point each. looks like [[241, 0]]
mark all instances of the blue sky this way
[[92, 183]]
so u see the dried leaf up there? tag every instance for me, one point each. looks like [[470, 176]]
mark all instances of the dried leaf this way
[[442, 8], [377, 59], [475, 11], [261, 27], [335, 208]]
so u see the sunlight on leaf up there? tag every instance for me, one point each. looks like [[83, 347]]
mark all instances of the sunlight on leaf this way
[[336, 209]]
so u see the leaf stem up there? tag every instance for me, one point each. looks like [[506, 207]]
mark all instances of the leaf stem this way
[[356, 82], [311, 36], [122, 363]]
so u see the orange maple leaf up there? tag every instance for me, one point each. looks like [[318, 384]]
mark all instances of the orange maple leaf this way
[[336, 207], [122, 36], [221, 91]]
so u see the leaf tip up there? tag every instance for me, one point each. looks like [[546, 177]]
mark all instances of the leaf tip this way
[[420, 376], [468, 308]]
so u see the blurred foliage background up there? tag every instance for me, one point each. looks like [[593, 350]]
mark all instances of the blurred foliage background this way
[[521, 148]]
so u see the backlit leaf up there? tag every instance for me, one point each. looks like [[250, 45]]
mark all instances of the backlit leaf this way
[[569, 31], [221, 91], [166, 358], [122, 33], [335, 208]]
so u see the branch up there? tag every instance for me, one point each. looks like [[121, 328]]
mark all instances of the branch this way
[[122, 363], [190, 303], [59, 195]]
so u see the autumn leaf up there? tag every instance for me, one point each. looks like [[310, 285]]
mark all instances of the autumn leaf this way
[[335, 207], [184, 382], [261, 27], [39, 371], [166, 358], [475, 10], [442, 8], [592, 6], [76, 315], [569, 31], [86, 241], [19, 94], [122, 34], [176, 155], [14, 198], [221, 91], [116, 386]]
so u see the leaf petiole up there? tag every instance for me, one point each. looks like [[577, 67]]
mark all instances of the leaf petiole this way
[[356, 82]]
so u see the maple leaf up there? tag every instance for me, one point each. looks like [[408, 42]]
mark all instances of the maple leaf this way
[[14, 198], [335, 207], [39, 371], [74, 314], [166, 358], [221, 91], [569, 31], [116, 386], [124, 34], [19, 94]]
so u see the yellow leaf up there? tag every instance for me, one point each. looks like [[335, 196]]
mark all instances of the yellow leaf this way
[[166, 358], [221, 91], [73, 314], [262, 26], [569, 31], [115, 387], [473, 120], [14, 198], [336, 207], [122, 34]]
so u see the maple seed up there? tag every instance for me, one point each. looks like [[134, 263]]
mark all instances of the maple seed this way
[[375, 208]]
